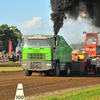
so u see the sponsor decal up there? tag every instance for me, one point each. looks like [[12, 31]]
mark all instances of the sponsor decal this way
[[88, 49]]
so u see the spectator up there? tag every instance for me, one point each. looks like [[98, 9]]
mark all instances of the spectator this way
[[4, 57]]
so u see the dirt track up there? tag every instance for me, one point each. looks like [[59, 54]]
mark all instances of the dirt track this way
[[36, 84], [10, 64]]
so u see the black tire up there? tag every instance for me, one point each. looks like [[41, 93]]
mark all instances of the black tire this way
[[96, 70], [68, 70], [56, 71], [86, 71], [28, 73]]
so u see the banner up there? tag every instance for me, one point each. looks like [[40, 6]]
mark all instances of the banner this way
[[10, 47]]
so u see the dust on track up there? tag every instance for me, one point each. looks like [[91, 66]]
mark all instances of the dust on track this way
[[36, 84]]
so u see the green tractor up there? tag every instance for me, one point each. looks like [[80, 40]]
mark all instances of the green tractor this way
[[46, 54]]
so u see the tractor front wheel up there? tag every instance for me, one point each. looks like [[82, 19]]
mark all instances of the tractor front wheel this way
[[28, 73]]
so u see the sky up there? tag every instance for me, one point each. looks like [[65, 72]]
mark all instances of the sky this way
[[33, 17]]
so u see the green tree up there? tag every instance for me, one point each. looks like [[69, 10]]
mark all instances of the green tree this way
[[77, 45], [9, 33]]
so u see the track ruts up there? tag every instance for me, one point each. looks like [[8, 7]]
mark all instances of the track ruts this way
[[36, 84]]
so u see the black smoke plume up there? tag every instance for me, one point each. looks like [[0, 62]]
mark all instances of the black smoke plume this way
[[74, 8]]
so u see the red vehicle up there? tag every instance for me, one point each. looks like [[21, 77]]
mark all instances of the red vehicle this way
[[91, 43], [93, 49]]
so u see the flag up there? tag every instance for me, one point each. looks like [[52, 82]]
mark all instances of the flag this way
[[10, 47]]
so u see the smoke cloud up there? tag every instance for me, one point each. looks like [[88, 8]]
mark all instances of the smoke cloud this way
[[89, 9]]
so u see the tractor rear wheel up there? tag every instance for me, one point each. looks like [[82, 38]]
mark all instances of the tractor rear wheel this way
[[86, 71], [96, 70], [68, 70]]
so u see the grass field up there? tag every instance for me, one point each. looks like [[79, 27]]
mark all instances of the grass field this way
[[85, 94], [10, 68]]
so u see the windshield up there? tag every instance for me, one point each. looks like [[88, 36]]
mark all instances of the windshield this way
[[36, 42], [91, 41]]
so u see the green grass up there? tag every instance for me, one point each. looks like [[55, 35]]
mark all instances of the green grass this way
[[85, 94], [10, 68]]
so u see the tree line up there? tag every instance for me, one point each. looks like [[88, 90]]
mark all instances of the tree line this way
[[9, 33], [78, 45], [13, 33]]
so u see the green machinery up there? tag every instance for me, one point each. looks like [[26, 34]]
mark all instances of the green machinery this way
[[46, 54]]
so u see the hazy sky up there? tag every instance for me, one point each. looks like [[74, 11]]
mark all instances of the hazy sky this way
[[33, 17]]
